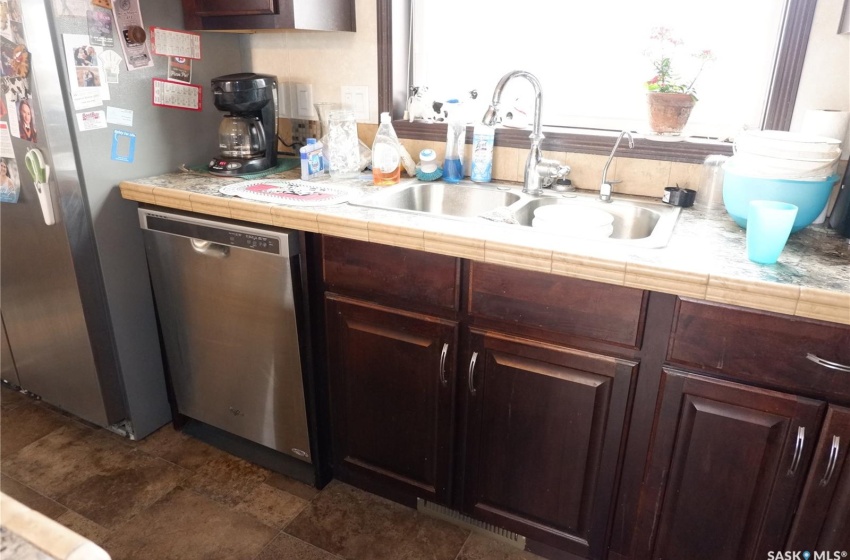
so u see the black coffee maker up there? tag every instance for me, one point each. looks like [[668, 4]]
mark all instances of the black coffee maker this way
[[247, 136]]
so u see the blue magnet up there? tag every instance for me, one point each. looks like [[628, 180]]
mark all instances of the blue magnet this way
[[123, 146]]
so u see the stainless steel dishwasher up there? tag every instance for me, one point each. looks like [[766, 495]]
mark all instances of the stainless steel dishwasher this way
[[224, 296]]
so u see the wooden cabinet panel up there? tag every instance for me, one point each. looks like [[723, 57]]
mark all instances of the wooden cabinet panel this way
[[823, 518], [391, 399], [554, 304], [544, 436], [764, 348], [205, 8], [248, 15], [391, 275], [725, 469]]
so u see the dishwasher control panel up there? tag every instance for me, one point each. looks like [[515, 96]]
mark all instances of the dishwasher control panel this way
[[222, 236]]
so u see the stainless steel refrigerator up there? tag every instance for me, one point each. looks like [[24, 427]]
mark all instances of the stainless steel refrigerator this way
[[78, 322]]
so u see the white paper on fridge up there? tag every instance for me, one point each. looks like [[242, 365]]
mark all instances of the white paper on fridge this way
[[116, 115], [89, 87], [168, 42], [91, 120], [70, 8], [5, 139], [111, 62], [177, 95]]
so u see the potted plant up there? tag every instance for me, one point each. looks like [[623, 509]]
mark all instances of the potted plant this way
[[670, 100]]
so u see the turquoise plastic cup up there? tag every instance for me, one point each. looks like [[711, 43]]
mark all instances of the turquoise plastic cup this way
[[769, 224]]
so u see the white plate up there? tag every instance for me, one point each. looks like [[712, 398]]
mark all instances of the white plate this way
[[552, 226], [574, 216], [665, 138]]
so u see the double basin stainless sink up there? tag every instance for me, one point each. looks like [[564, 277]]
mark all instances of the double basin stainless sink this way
[[636, 222]]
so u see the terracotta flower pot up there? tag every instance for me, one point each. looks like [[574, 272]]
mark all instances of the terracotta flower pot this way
[[669, 112]]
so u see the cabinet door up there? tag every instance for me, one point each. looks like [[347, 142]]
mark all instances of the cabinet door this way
[[206, 8], [725, 469], [391, 380], [545, 429], [245, 15], [823, 518]]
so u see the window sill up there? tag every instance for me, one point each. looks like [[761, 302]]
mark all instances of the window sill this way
[[582, 141]]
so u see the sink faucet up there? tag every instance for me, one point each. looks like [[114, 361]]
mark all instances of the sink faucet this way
[[608, 186], [539, 173]]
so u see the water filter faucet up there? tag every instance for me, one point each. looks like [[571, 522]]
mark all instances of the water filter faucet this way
[[607, 186], [539, 172]]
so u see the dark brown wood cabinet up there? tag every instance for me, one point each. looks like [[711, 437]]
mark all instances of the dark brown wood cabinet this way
[[823, 517], [392, 392], [543, 439], [494, 391], [736, 454], [725, 469], [248, 15], [598, 421]]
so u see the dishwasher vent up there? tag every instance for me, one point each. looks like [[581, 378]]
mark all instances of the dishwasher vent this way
[[456, 518]]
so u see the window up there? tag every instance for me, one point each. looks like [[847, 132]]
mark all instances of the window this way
[[593, 75]]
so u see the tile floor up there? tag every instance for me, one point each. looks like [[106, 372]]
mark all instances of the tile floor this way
[[171, 496]]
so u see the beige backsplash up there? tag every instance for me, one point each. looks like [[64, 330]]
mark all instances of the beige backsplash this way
[[642, 177]]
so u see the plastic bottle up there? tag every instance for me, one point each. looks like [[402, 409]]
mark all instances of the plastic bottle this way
[[386, 158], [455, 142], [312, 162], [481, 170]]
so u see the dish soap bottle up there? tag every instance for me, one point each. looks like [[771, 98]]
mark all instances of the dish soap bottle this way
[[455, 141], [481, 170], [386, 158]]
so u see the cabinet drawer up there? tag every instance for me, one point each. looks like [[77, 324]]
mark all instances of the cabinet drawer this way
[[391, 275], [557, 304], [762, 347]]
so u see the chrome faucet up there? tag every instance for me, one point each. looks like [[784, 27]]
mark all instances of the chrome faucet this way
[[539, 173], [607, 186]]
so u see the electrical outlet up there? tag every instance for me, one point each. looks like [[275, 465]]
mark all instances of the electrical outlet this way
[[356, 99], [284, 110]]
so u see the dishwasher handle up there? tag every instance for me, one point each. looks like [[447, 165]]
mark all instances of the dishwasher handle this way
[[210, 249]]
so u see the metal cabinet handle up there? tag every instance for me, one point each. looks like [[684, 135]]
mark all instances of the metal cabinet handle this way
[[443, 354], [826, 363], [798, 450], [209, 249], [833, 459], [470, 377]]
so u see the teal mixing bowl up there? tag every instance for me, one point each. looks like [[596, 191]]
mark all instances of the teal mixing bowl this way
[[809, 196]]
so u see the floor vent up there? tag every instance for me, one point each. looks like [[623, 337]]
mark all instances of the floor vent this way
[[456, 518]]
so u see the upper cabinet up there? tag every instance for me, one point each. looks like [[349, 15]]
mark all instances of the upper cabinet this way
[[249, 15]]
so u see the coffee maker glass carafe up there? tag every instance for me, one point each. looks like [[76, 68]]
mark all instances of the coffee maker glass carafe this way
[[241, 137]]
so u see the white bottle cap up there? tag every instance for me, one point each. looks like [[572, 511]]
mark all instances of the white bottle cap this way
[[428, 160], [385, 118]]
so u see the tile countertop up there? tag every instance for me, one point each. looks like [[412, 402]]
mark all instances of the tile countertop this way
[[26, 534], [705, 258]]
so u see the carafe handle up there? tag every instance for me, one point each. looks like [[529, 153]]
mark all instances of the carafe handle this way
[[258, 136]]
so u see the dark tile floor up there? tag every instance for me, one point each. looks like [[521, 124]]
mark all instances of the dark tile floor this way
[[170, 496]]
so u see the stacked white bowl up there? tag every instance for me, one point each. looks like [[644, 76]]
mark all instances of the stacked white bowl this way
[[777, 154]]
